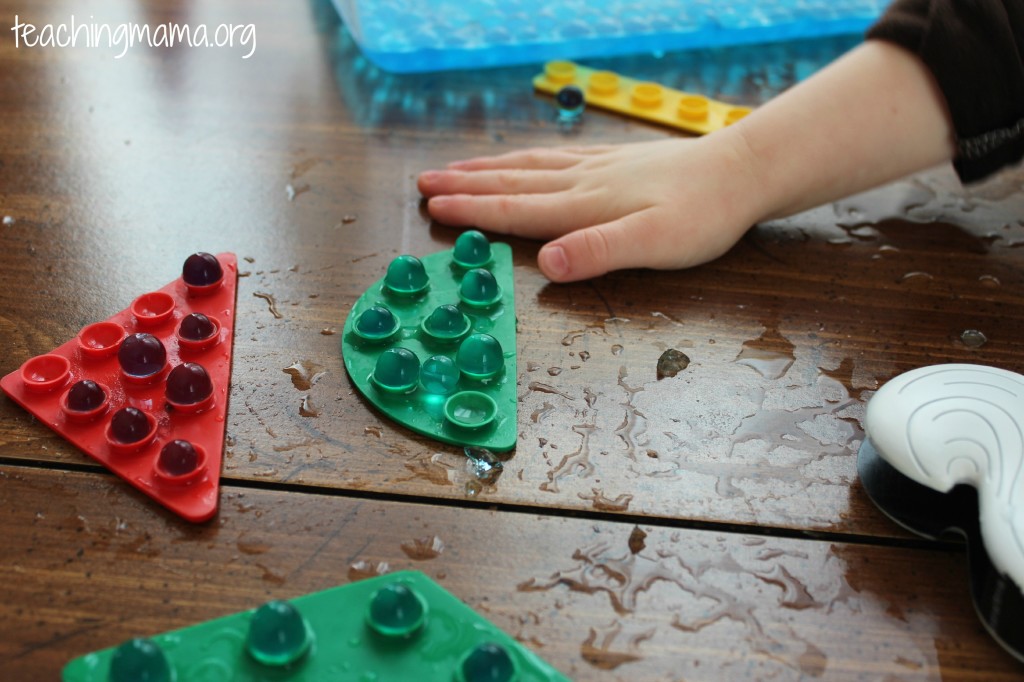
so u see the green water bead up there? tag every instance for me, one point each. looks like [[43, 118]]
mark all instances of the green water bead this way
[[396, 610], [278, 634], [472, 250], [140, 660], [488, 662], [439, 375], [479, 288], [480, 356], [376, 322], [397, 370], [406, 276], [446, 323]]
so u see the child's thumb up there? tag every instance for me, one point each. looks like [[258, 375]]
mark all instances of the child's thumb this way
[[594, 251]]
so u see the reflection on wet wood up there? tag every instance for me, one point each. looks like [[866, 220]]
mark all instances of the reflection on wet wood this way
[[88, 566]]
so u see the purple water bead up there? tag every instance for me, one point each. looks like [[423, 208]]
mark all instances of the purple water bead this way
[[188, 384], [141, 355], [179, 457], [129, 425], [196, 327], [201, 269], [85, 396]]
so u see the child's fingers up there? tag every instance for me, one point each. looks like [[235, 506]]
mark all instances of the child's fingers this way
[[539, 216], [534, 159], [509, 181], [593, 251]]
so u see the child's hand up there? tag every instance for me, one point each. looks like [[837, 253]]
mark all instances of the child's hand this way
[[871, 117], [664, 204]]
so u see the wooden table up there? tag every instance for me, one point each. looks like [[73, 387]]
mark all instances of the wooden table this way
[[709, 526]]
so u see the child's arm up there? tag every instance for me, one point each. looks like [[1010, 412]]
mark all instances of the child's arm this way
[[871, 117]]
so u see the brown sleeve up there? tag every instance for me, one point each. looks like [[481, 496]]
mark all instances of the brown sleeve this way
[[974, 50]]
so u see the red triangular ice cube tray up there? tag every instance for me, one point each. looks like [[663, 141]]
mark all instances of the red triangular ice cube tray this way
[[42, 383]]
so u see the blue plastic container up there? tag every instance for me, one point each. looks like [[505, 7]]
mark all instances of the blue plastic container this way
[[408, 36]]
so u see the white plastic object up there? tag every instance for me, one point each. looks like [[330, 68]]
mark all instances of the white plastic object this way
[[944, 425]]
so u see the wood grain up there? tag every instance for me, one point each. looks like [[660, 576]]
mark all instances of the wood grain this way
[[302, 160], [88, 565]]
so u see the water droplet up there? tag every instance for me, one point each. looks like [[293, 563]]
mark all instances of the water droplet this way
[[637, 540], [271, 303], [8, 220], [989, 281], [304, 374], [972, 338], [423, 549], [483, 464], [671, 363], [307, 408], [361, 570], [617, 349]]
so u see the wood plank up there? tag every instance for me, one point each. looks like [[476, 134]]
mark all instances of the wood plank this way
[[87, 566]]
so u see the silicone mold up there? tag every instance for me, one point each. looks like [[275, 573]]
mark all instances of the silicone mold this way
[[945, 452], [411, 36], [401, 626], [639, 99], [433, 344], [145, 392]]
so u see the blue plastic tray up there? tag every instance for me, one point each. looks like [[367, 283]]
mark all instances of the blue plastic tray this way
[[414, 35]]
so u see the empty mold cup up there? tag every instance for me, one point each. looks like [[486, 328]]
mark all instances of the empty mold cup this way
[[406, 276], [560, 71], [278, 634], [479, 289], [396, 610], [480, 357], [202, 274], [130, 430], [446, 324], [487, 662], [140, 659], [397, 370], [647, 95], [603, 83], [377, 323], [439, 375], [153, 309], [142, 357], [470, 410], [45, 373], [472, 250], [692, 108], [85, 401], [100, 340], [180, 462]]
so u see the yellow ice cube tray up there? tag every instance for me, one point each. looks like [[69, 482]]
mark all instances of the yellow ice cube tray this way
[[640, 99]]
